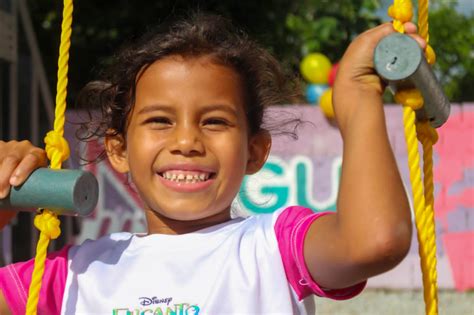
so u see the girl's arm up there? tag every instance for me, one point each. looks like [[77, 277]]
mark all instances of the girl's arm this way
[[371, 232]]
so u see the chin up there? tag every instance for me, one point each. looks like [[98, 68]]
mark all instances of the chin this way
[[186, 214]]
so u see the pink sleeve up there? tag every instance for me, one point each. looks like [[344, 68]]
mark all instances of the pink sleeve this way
[[15, 281], [291, 227]]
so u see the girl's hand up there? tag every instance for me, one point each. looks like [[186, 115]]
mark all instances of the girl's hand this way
[[356, 78], [17, 161]]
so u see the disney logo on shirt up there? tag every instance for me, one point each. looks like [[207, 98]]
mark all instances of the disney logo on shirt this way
[[149, 309], [145, 301]]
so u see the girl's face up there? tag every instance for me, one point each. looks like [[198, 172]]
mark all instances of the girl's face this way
[[187, 147]]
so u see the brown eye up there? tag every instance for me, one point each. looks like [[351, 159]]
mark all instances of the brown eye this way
[[161, 121], [215, 121]]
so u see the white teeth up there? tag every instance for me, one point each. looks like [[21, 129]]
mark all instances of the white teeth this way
[[185, 178]]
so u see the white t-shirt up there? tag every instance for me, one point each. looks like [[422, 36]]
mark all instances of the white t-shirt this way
[[243, 266]]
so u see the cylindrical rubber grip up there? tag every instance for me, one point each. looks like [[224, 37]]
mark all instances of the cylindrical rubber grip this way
[[400, 61], [69, 192]]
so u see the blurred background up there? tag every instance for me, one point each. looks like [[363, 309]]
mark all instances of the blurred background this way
[[291, 30]]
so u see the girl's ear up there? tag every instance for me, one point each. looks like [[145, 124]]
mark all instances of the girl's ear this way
[[117, 153], [259, 149]]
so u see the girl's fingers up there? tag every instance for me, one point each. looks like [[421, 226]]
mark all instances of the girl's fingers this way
[[411, 30], [419, 40], [30, 162], [9, 163], [17, 161]]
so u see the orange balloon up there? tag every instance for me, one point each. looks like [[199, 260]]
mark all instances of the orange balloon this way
[[325, 102]]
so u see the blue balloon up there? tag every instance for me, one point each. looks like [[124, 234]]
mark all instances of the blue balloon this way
[[314, 92]]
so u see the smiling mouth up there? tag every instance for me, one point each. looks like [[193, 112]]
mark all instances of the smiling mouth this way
[[187, 177]]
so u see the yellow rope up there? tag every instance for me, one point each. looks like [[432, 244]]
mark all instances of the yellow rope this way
[[423, 30], [428, 137], [57, 150], [423, 199]]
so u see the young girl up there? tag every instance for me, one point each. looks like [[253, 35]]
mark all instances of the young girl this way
[[182, 115]]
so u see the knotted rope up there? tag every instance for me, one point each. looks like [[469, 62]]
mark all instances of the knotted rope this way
[[423, 200], [58, 151]]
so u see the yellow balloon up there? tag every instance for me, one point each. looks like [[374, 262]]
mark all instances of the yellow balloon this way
[[315, 68], [325, 102]]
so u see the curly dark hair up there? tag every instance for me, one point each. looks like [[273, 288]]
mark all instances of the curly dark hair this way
[[201, 34]]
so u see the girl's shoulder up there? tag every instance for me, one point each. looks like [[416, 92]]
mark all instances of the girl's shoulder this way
[[105, 242], [15, 281], [269, 228]]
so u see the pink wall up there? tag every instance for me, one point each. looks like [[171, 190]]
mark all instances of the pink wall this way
[[454, 206], [454, 189]]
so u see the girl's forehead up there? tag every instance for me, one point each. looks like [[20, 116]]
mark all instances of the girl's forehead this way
[[195, 76], [205, 66], [189, 83]]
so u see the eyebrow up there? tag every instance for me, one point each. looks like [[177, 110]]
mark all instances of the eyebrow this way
[[155, 107], [207, 108], [222, 107]]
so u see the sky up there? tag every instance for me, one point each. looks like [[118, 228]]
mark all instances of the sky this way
[[466, 6]]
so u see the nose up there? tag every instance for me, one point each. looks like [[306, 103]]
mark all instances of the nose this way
[[187, 140]]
